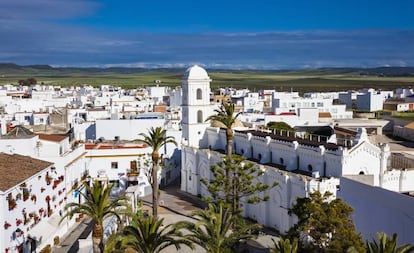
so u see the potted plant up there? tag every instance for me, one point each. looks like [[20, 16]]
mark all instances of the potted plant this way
[[33, 198], [26, 194], [12, 204], [6, 225]]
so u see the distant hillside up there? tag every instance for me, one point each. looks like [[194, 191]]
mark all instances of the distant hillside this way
[[380, 71], [304, 80]]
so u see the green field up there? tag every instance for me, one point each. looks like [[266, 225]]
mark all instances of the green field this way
[[298, 80]]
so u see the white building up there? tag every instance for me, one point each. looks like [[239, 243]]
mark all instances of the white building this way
[[53, 186], [292, 104], [370, 101], [195, 105], [300, 167]]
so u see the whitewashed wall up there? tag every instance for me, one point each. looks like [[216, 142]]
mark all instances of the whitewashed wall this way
[[379, 210], [125, 129], [272, 213]]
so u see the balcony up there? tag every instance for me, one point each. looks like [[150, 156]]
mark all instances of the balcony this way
[[132, 175]]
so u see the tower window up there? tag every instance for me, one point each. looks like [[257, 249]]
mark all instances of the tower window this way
[[310, 167], [199, 94], [199, 116]]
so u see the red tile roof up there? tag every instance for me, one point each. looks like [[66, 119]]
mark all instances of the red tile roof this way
[[15, 169], [52, 137]]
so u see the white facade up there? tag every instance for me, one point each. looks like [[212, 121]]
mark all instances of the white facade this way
[[64, 176], [272, 213], [112, 161], [125, 129], [370, 101], [377, 209], [293, 104], [252, 103], [195, 105]]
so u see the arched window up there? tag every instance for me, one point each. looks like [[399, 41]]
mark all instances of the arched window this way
[[199, 94], [199, 116], [310, 167], [260, 156], [281, 161]]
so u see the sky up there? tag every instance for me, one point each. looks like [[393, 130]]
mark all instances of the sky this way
[[236, 34]]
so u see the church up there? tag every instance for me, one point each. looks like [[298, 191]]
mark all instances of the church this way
[[299, 166]]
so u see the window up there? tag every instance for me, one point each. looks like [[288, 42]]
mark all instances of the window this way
[[133, 165], [199, 94], [281, 161], [310, 167], [199, 116], [114, 165]]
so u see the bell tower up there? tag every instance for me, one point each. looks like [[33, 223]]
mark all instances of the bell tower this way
[[196, 107]]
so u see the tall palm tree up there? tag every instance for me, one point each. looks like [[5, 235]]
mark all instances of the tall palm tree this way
[[213, 231], [156, 138], [227, 116], [98, 206], [385, 244], [146, 235], [285, 246]]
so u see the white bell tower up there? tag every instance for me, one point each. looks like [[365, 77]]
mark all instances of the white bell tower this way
[[196, 107]]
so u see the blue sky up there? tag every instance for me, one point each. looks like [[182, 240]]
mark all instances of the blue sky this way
[[261, 34]]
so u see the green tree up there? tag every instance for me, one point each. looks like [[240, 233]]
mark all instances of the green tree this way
[[285, 246], [385, 244], [156, 138], [234, 179], [32, 80], [213, 231], [147, 235], [98, 206], [227, 116], [281, 126], [324, 224]]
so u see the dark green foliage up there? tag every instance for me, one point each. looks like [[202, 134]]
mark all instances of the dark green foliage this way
[[227, 116], [213, 230], [27, 82], [281, 128], [147, 235], [156, 138], [98, 206], [280, 125], [324, 225], [285, 246], [233, 179], [385, 244]]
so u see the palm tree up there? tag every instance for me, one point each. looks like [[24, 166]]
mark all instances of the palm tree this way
[[385, 244], [98, 206], [285, 246], [156, 138], [146, 235], [213, 232], [226, 115]]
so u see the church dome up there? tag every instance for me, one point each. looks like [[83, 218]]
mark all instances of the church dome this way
[[196, 72]]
